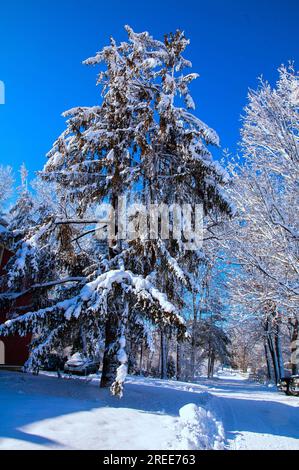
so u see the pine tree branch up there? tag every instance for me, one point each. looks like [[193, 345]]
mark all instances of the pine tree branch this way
[[76, 221], [16, 295]]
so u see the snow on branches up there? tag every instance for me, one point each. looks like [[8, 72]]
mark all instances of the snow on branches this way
[[141, 140]]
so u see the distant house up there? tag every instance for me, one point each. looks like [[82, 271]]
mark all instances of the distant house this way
[[14, 349]]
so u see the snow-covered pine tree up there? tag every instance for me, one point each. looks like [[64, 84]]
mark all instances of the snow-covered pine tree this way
[[22, 211], [142, 142], [6, 190], [6, 184]]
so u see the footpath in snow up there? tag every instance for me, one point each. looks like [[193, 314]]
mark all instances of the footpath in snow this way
[[45, 412]]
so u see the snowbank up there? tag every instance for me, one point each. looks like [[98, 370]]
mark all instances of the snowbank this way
[[199, 429]]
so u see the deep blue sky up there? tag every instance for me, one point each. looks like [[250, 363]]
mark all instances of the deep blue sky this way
[[42, 44]]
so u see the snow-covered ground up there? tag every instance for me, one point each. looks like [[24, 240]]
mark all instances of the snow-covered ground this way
[[255, 416], [47, 412]]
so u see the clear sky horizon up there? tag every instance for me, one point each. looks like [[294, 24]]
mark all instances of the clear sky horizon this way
[[42, 45]]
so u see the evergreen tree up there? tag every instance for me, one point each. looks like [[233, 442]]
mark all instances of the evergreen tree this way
[[6, 184], [21, 214], [143, 142]]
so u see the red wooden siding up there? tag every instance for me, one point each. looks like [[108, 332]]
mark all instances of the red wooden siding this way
[[16, 347]]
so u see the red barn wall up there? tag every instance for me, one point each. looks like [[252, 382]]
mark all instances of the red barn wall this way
[[16, 347]]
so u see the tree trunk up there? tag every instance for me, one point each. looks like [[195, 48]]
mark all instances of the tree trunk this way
[[192, 360], [279, 357], [193, 339], [110, 360], [163, 356], [295, 347], [212, 363], [278, 351], [149, 362], [131, 352], [272, 350], [209, 362], [141, 358], [269, 373], [273, 357], [178, 360], [112, 326]]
